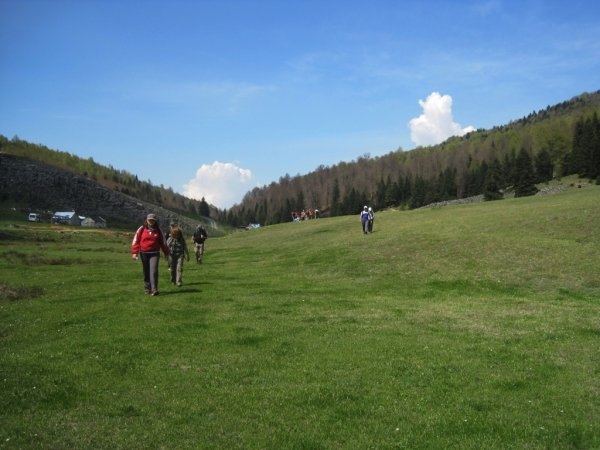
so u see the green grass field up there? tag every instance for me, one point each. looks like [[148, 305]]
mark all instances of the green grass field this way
[[465, 327]]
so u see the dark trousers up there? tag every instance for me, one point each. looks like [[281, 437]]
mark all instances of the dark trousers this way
[[150, 267]]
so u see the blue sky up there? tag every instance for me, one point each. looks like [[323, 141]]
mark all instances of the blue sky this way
[[213, 98]]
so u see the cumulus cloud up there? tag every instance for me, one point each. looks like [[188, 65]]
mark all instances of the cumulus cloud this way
[[436, 124], [221, 184]]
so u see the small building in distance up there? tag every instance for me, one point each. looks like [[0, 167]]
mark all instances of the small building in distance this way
[[66, 218]]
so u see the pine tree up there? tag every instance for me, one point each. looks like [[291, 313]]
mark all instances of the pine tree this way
[[508, 168], [578, 153], [525, 175], [492, 186], [390, 196], [335, 198], [543, 166], [419, 193], [594, 171], [586, 147], [204, 209]]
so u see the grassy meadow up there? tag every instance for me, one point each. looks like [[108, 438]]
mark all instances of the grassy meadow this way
[[460, 327]]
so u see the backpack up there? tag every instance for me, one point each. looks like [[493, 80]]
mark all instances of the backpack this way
[[200, 235], [176, 246]]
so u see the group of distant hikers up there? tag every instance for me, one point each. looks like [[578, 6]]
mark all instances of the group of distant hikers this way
[[367, 217], [305, 214], [148, 242]]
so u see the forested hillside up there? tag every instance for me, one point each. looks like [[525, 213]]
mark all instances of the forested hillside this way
[[109, 177], [560, 140], [557, 141]]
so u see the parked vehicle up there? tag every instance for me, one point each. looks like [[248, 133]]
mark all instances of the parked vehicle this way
[[33, 217]]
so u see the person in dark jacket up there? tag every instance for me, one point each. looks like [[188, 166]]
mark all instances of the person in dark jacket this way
[[198, 238], [147, 243]]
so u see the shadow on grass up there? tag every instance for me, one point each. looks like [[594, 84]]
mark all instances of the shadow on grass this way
[[196, 283], [13, 293], [175, 291]]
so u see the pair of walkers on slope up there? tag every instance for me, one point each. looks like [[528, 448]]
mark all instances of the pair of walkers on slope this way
[[367, 217]]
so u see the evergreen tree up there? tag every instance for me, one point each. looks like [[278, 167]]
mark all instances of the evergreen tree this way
[[543, 166], [391, 194], [525, 175], [474, 178], [446, 185], [203, 208], [404, 190], [492, 187], [380, 192], [579, 156], [585, 157], [419, 193], [508, 168], [353, 202], [335, 198], [299, 204], [594, 171]]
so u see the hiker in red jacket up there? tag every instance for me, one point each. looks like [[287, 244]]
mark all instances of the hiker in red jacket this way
[[148, 242]]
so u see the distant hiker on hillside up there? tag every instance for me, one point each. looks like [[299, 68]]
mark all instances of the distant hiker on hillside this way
[[178, 250], [371, 219], [148, 241], [200, 235], [364, 219]]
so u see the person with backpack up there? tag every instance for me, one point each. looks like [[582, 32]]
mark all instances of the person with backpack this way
[[178, 249], [371, 219], [147, 243], [200, 235], [364, 219]]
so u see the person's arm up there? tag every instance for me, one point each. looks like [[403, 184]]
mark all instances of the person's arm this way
[[163, 244], [135, 244]]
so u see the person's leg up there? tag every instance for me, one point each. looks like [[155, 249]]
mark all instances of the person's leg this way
[[173, 268], [146, 269], [179, 270], [199, 252], [153, 267]]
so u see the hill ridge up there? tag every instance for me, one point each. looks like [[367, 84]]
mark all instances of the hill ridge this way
[[453, 169], [46, 188]]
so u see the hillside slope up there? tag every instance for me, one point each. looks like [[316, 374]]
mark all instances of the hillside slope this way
[[456, 168], [41, 187], [452, 170]]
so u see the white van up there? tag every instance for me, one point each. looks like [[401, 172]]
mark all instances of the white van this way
[[33, 217]]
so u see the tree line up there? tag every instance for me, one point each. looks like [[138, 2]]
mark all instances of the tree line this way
[[561, 140]]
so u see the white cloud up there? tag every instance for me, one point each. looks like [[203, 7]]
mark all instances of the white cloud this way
[[436, 124], [221, 184]]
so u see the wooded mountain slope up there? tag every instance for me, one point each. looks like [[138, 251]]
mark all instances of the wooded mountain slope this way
[[457, 168], [560, 140]]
